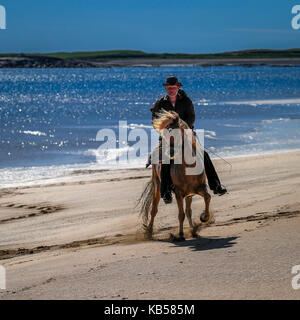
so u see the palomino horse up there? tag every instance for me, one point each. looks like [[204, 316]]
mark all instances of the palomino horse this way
[[185, 185]]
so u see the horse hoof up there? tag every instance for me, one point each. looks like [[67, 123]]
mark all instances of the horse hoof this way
[[195, 229], [173, 238], [204, 218], [148, 236], [181, 236], [195, 235]]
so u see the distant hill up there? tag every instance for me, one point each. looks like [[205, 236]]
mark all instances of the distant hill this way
[[129, 54]]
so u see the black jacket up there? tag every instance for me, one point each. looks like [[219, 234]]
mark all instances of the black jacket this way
[[183, 106]]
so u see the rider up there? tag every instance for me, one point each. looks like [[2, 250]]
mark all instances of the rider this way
[[177, 100]]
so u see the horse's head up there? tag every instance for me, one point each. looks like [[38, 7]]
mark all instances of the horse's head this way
[[168, 120], [172, 129]]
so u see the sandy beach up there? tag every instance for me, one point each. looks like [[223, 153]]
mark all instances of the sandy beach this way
[[80, 237]]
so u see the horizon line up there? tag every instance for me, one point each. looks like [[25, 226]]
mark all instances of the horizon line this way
[[138, 50]]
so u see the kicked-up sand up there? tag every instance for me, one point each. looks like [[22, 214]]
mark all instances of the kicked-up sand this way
[[81, 237]]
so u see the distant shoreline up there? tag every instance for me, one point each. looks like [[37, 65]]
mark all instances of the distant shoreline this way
[[46, 62], [135, 58]]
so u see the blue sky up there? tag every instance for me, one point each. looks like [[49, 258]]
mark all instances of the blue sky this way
[[194, 26]]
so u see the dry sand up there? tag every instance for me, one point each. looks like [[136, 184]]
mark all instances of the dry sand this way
[[79, 238]]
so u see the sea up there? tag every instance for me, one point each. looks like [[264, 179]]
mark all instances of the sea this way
[[51, 119]]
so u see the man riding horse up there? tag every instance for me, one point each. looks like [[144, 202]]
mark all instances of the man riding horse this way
[[177, 100]]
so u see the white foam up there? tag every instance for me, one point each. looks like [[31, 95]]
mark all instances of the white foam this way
[[254, 103], [177, 65], [276, 120], [253, 153], [232, 125], [210, 134], [35, 133], [107, 155], [135, 125], [41, 175]]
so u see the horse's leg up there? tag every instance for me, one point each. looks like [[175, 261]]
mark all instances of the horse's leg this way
[[206, 217], [155, 202], [188, 212], [181, 215]]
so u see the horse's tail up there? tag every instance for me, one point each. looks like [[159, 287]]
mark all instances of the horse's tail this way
[[147, 197]]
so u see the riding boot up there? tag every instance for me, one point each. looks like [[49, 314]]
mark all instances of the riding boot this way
[[148, 161], [166, 182], [212, 177]]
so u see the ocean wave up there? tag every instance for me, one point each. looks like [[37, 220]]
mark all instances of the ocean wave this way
[[139, 103], [279, 142], [210, 134], [107, 154], [26, 176], [238, 153], [254, 103], [136, 125], [42, 175], [35, 133], [177, 65], [202, 102], [232, 125], [276, 120]]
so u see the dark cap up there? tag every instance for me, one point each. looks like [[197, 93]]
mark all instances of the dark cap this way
[[172, 81]]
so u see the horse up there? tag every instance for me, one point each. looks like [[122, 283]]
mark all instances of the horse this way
[[184, 186]]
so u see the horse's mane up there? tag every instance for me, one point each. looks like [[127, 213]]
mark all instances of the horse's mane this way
[[164, 118]]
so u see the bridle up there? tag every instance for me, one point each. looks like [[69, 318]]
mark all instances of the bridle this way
[[177, 149]]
